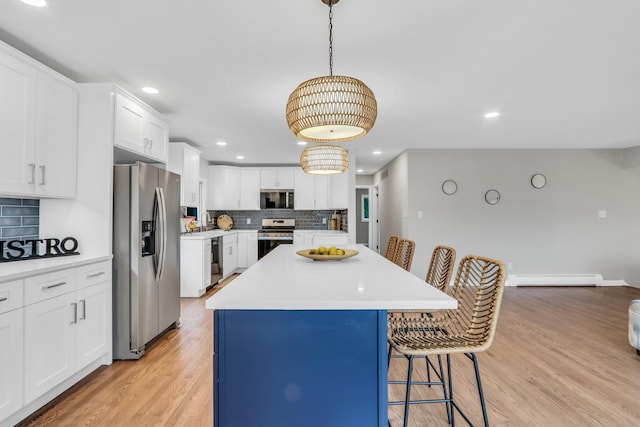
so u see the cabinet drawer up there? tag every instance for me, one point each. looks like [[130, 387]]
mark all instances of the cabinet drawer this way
[[11, 295], [45, 286], [93, 274], [233, 238]]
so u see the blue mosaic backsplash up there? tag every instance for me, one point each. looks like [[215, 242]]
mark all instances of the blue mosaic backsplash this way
[[19, 219]]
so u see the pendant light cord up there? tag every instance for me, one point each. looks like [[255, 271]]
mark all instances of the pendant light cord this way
[[330, 37]]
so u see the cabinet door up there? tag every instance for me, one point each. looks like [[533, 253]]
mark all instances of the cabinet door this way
[[304, 191], [321, 191], [249, 189], [339, 189], [17, 126], [156, 137], [129, 125], [56, 138], [252, 248], [286, 178], [242, 250], [49, 344], [230, 258], [206, 260], [11, 362], [93, 312], [268, 179]]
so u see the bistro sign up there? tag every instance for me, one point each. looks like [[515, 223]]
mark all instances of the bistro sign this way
[[18, 250]]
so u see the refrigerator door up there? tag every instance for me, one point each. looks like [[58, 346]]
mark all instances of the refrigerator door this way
[[169, 282], [144, 288]]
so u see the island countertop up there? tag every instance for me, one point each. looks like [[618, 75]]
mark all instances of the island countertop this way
[[283, 280]]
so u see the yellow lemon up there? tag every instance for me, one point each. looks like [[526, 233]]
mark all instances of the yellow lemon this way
[[340, 252], [322, 250]]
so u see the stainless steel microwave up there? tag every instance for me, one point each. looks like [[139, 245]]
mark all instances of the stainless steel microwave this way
[[276, 199]]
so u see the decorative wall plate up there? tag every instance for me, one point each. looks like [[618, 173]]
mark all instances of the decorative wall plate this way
[[538, 180], [224, 222]]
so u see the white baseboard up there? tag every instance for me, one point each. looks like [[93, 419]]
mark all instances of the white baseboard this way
[[555, 280]]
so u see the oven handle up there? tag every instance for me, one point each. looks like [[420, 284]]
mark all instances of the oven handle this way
[[275, 238]]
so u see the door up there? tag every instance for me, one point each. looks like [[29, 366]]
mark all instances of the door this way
[[169, 283], [144, 289]]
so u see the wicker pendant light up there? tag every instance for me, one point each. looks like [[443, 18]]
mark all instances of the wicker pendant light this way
[[331, 108], [324, 159]]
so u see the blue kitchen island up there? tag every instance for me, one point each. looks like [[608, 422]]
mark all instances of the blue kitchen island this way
[[299, 342]]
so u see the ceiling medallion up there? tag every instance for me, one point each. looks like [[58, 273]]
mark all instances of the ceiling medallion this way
[[331, 108]]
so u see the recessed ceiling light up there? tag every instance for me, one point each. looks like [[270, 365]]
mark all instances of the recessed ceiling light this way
[[221, 143], [36, 3], [377, 152], [359, 170], [240, 157], [150, 89], [491, 115], [302, 143]]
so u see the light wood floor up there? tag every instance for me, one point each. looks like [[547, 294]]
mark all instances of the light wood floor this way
[[560, 358]]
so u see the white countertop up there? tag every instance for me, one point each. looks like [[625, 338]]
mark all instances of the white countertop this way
[[19, 269], [283, 280]]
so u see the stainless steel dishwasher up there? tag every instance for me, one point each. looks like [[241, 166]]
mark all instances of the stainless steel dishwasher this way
[[216, 260]]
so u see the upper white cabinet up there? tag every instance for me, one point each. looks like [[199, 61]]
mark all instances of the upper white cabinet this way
[[39, 128], [185, 161], [140, 130], [277, 178], [313, 192], [233, 188]]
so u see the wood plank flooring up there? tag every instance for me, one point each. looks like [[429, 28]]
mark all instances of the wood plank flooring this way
[[560, 358]]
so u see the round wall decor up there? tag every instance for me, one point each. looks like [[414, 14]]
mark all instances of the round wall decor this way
[[449, 187], [492, 197], [538, 180]]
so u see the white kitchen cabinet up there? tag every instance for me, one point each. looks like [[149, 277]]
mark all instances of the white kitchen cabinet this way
[[311, 191], [195, 267], [277, 178], [247, 249], [67, 324], [303, 238], [339, 191], [329, 239], [11, 362], [249, 189], [140, 130], [233, 188], [39, 129], [185, 161], [229, 255]]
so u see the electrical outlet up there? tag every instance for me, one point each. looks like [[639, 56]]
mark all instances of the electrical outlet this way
[[602, 214], [248, 220], [509, 266], [324, 220]]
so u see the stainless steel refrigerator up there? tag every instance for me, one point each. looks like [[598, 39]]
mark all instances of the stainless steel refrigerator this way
[[146, 246]]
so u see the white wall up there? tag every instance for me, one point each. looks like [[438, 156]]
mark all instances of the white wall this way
[[394, 199], [554, 230]]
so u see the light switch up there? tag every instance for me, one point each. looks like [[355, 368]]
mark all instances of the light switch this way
[[602, 214], [420, 215], [248, 220]]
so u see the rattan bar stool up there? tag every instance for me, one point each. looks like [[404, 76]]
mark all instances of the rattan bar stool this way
[[404, 253], [468, 330], [391, 248], [441, 267]]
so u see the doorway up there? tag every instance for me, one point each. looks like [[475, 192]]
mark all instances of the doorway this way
[[366, 218]]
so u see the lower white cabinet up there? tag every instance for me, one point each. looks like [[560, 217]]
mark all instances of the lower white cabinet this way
[[229, 254], [11, 362], [247, 249], [57, 324], [195, 267]]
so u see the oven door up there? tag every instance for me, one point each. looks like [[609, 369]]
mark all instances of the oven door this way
[[267, 245]]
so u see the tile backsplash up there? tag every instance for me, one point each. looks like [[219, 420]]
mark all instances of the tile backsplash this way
[[19, 219], [305, 220]]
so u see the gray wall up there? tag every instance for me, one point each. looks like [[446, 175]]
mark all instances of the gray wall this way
[[553, 230]]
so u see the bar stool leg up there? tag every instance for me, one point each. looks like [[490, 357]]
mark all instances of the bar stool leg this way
[[480, 392], [408, 395], [450, 405]]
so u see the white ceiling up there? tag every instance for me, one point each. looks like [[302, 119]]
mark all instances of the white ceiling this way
[[564, 73]]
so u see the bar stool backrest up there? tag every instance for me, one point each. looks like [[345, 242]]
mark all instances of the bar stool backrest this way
[[441, 267], [391, 248], [404, 253]]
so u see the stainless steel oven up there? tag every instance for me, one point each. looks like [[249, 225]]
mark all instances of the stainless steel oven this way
[[274, 232]]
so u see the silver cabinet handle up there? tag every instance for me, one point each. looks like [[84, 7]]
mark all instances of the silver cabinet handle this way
[[33, 173], [83, 308], [55, 285], [89, 276], [43, 170], [75, 312], [4, 299]]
